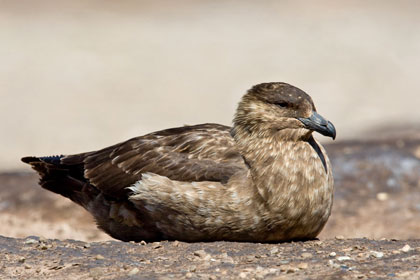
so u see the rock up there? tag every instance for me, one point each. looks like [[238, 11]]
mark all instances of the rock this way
[[406, 248], [382, 196], [142, 242], [274, 251], [31, 241], [376, 254], [333, 254], [339, 237], [243, 275], [99, 257], [134, 271], [344, 258]]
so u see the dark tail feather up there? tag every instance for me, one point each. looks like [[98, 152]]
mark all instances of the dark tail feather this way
[[67, 180]]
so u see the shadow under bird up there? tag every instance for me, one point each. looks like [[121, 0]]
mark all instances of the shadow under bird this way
[[266, 179]]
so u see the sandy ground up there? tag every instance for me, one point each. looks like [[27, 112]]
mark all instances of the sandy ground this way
[[80, 75], [36, 258]]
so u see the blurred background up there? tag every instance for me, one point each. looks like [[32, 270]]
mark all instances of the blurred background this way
[[80, 75]]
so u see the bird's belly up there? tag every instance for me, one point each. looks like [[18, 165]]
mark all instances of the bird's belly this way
[[303, 216]]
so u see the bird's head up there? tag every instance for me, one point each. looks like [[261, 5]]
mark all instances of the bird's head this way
[[282, 109]]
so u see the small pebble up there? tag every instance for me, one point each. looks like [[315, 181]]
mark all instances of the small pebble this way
[[376, 254], [86, 246], [99, 257], [28, 266], [274, 251], [339, 237], [333, 254], [134, 271], [406, 248], [188, 275], [142, 242], [243, 275], [21, 260], [382, 196], [344, 258], [31, 241]]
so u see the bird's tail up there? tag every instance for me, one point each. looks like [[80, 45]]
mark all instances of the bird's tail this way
[[67, 180]]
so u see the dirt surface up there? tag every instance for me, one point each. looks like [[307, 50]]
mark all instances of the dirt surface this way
[[377, 196], [330, 259]]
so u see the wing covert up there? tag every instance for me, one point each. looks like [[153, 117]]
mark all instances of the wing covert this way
[[191, 153]]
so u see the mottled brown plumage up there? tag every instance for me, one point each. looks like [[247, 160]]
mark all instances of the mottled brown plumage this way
[[265, 179]]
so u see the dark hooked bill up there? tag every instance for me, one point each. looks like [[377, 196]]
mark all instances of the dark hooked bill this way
[[317, 123]]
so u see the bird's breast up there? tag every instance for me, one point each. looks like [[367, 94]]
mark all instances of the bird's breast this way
[[297, 184]]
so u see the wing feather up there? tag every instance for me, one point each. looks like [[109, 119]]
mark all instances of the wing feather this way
[[192, 153]]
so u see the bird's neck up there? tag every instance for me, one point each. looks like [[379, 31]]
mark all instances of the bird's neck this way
[[282, 164]]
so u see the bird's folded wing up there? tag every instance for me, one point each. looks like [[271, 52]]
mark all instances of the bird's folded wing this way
[[191, 153]]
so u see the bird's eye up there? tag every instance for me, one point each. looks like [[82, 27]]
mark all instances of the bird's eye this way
[[282, 104]]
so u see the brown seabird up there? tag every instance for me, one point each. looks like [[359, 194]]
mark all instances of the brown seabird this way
[[265, 179]]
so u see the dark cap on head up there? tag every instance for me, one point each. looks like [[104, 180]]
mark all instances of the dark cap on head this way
[[278, 92]]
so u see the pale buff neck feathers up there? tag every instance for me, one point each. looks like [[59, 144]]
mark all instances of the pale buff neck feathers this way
[[265, 179]]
